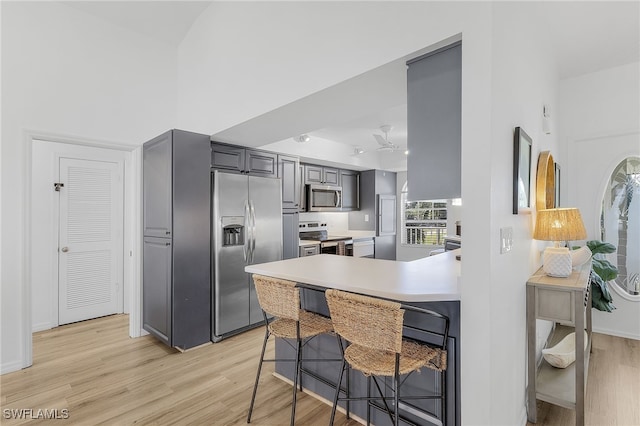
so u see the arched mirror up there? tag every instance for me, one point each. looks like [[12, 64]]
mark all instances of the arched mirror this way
[[620, 222]]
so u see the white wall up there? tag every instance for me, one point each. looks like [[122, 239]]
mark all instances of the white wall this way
[[601, 127], [66, 73]]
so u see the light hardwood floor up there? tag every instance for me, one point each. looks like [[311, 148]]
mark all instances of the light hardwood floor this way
[[613, 387], [100, 375]]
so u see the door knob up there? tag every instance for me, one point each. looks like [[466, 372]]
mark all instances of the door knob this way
[[65, 249]]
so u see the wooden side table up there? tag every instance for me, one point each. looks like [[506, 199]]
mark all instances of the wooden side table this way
[[566, 301]]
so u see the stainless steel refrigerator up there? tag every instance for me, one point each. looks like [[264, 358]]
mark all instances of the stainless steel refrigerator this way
[[246, 229]]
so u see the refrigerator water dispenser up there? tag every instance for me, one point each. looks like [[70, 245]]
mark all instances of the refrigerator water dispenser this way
[[232, 232]]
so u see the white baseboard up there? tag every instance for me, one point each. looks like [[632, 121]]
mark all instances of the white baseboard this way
[[616, 333], [10, 367], [41, 326]]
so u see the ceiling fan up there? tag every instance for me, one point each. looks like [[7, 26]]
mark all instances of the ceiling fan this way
[[384, 142]]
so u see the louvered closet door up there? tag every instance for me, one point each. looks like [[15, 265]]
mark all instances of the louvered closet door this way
[[90, 239]]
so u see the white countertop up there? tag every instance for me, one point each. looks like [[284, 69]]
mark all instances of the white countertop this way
[[434, 278]]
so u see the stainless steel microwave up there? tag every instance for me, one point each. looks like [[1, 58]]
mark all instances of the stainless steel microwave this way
[[324, 198]]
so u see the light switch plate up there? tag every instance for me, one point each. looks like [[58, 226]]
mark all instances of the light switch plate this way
[[506, 239]]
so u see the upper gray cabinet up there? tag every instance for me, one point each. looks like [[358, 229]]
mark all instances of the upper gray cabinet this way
[[243, 160], [434, 102], [350, 180], [289, 174], [157, 184], [321, 175]]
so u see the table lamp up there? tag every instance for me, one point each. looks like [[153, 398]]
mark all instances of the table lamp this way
[[558, 225]]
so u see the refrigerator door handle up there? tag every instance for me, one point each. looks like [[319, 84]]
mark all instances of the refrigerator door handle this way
[[253, 229], [246, 246]]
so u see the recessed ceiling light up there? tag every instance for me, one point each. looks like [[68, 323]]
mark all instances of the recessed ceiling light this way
[[302, 138], [406, 152]]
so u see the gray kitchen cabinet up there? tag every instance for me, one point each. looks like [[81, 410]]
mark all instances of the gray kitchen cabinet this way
[[261, 163], [156, 287], [375, 215], [288, 172], [434, 105], [350, 180], [314, 174], [303, 189], [311, 250], [176, 283], [156, 189], [241, 160], [227, 157], [290, 230]]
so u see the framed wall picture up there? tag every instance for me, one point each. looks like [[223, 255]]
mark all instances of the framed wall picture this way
[[521, 171]]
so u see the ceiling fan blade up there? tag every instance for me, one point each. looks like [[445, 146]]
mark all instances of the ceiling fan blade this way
[[381, 141]]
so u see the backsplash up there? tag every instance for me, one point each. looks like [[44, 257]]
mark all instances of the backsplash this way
[[334, 220]]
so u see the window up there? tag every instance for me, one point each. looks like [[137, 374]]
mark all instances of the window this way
[[423, 222]]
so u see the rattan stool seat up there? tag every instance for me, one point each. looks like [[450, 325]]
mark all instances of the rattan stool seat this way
[[381, 363], [310, 325], [373, 329]]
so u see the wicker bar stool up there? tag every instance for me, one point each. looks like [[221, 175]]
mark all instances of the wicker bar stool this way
[[281, 299], [373, 329]]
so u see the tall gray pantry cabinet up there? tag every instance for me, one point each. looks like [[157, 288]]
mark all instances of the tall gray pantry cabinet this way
[[176, 286]]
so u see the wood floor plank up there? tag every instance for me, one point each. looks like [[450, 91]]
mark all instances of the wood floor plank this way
[[102, 376], [613, 387]]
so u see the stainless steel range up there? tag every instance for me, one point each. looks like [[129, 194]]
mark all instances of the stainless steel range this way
[[329, 244]]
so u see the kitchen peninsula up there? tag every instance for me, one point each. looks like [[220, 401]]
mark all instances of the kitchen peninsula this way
[[431, 283]]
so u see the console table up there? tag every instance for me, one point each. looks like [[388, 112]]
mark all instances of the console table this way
[[566, 301]]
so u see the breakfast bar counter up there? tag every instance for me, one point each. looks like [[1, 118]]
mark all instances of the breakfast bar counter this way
[[431, 283], [431, 279]]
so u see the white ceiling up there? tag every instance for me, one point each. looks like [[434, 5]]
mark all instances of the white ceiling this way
[[588, 36], [167, 21]]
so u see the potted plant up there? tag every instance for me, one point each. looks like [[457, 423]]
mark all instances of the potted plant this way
[[602, 271]]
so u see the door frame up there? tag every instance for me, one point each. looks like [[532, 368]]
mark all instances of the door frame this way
[[132, 181]]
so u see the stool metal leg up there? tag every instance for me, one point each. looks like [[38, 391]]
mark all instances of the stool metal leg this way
[[368, 400], [296, 375], [255, 386], [443, 400], [335, 397], [396, 391], [299, 364]]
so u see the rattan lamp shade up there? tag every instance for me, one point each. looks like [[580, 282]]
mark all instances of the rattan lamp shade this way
[[558, 225]]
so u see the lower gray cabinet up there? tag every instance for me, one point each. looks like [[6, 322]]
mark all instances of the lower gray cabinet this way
[[156, 287], [290, 235]]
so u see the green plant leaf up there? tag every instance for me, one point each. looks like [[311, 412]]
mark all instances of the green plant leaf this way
[[600, 296], [604, 269], [600, 247]]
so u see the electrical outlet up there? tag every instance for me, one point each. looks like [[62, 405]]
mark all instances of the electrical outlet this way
[[506, 239], [366, 218]]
